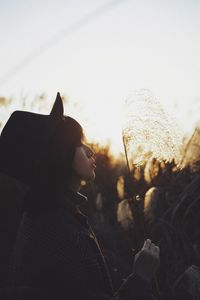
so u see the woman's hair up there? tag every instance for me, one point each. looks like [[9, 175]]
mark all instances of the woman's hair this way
[[54, 167]]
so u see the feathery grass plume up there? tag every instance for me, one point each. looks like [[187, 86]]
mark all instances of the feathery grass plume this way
[[149, 131]]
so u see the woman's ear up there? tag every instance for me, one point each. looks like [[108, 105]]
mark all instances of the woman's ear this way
[[57, 109]]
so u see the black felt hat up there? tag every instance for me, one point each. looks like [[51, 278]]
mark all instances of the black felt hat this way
[[25, 137]]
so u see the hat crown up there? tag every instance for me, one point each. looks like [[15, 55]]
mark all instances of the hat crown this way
[[24, 139]]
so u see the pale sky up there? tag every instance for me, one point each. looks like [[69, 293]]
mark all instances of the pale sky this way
[[97, 60]]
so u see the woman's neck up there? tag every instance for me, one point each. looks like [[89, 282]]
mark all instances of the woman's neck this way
[[75, 184]]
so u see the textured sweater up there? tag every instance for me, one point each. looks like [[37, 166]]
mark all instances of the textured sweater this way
[[57, 256]]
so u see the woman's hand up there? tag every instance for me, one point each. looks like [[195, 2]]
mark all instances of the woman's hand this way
[[147, 260]]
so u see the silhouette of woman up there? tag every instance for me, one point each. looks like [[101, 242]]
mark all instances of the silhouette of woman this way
[[56, 254]]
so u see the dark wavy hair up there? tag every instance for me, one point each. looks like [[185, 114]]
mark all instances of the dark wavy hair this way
[[54, 168]]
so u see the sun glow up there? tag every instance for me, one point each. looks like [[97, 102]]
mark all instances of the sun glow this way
[[97, 64], [141, 121]]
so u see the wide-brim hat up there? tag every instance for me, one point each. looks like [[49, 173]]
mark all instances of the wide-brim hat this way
[[24, 138]]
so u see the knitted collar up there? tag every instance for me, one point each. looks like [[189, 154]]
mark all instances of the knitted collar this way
[[71, 201], [75, 197]]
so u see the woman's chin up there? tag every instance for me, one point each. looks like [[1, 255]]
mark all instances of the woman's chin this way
[[92, 176]]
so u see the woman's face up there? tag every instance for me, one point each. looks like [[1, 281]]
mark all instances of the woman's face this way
[[84, 163]]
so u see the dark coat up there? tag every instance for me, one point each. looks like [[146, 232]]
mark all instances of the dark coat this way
[[57, 253]]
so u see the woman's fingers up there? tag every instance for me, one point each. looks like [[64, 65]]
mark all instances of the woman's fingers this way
[[157, 249], [154, 248], [147, 260], [147, 244]]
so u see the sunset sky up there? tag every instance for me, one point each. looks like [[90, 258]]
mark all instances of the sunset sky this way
[[96, 52]]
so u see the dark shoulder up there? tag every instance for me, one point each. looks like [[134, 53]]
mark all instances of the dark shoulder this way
[[52, 225], [59, 219]]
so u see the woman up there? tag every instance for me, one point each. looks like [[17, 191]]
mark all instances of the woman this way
[[56, 254]]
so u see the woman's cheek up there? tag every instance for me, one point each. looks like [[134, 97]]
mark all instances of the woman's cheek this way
[[84, 166]]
